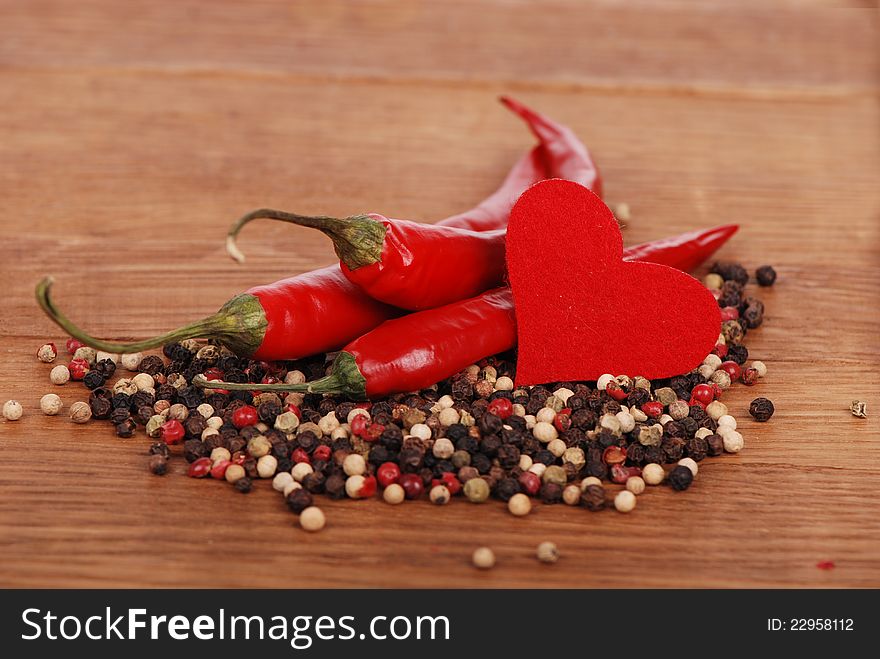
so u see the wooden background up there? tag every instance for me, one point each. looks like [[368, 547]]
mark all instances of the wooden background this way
[[132, 133]]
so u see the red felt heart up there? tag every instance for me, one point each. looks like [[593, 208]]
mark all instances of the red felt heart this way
[[581, 310]]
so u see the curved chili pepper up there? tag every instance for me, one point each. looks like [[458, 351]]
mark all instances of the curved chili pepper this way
[[420, 349], [420, 266]]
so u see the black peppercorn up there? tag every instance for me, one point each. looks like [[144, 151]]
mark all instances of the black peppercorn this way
[[244, 484], [119, 415], [334, 486], [121, 401], [593, 497], [506, 488], [731, 271], [761, 409], [481, 463], [715, 446], [697, 448], [104, 367], [126, 428], [142, 399], [680, 478], [765, 275], [193, 449], [143, 415], [151, 365], [314, 482], [195, 425], [158, 464], [159, 448], [100, 406], [737, 353]]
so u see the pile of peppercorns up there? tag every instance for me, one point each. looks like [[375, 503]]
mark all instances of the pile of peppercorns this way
[[475, 435]]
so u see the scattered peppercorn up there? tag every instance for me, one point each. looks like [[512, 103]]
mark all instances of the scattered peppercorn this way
[[859, 408], [680, 478], [761, 409], [765, 275], [483, 558], [158, 464], [548, 552], [47, 353], [80, 412]]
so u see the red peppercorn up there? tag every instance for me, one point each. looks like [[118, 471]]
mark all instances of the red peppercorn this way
[[563, 419], [199, 468], [322, 452], [239, 458], [359, 425], [268, 379], [172, 431], [530, 482], [213, 373], [300, 455], [703, 393], [78, 368], [451, 482], [720, 349], [412, 485], [387, 473], [615, 391], [614, 455], [749, 376], [218, 471], [368, 489], [653, 408], [295, 409], [73, 345], [729, 313], [732, 369], [693, 401], [500, 407], [620, 474], [373, 432], [246, 415], [718, 390]]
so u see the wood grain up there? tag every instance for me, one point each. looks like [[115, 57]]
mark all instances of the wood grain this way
[[132, 134]]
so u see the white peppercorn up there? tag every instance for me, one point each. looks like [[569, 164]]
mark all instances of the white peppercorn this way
[[625, 501], [354, 464], [59, 375], [221, 453], [706, 371], [610, 422], [721, 378], [214, 422], [545, 415], [439, 495], [556, 447], [87, 354], [290, 487], [448, 417], [178, 411], [143, 381], [574, 456], [328, 423], [679, 410], [342, 432], [525, 462], [125, 386], [712, 360], [733, 441], [443, 448], [716, 409], [354, 485], [47, 353], [603, 381], [312, 519], [519, 505], [571, 495], [300, 470], [51, 404], [294, 377], [154, 426], [207, 411], [653, 474], [282, 479], [80, 412], [394, 494], [266, 466], [563, 394], [627, 421], [538, 469], [727, 420], [286, 422], [107, 355], [519, 410], [483, 558], [635, 484], [444, 402], [637, 414], [234, 473], [131, 361], [544, 432], [12, 410], [421, 431], [760, 367], [548, 552], [504, 383]]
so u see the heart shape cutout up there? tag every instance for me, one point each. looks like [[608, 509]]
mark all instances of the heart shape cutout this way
[[581, 310]]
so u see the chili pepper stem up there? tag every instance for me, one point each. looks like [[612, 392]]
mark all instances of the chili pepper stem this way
[[358, 240], [345, 378], [239, 325]]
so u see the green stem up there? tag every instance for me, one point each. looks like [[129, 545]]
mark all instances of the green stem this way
[[239, 325], [345, 378], [358, 240]]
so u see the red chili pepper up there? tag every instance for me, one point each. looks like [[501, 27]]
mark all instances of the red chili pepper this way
[[421, 266], [684, 252], [418, 350]]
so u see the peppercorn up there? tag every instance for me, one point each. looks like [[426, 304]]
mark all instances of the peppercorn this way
[[476, 490], [550, 493], [593, 497], [625, 501], [50, 404], [125, 429], [298, 500], [765, 275], [47, 353], [394, 494], [731, 271], [79, 412], [859, 408], [519, 505], [312, 519], [547, 552], [483, 558], [413, 486], [680, 478], [158, 464], [653, 474], [439, 495], [761, 409], [749, 376]]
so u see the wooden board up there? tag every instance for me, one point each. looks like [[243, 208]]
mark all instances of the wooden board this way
[[131, 135]]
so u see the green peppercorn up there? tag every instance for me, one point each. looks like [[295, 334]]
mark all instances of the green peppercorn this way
[[476, 490]]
